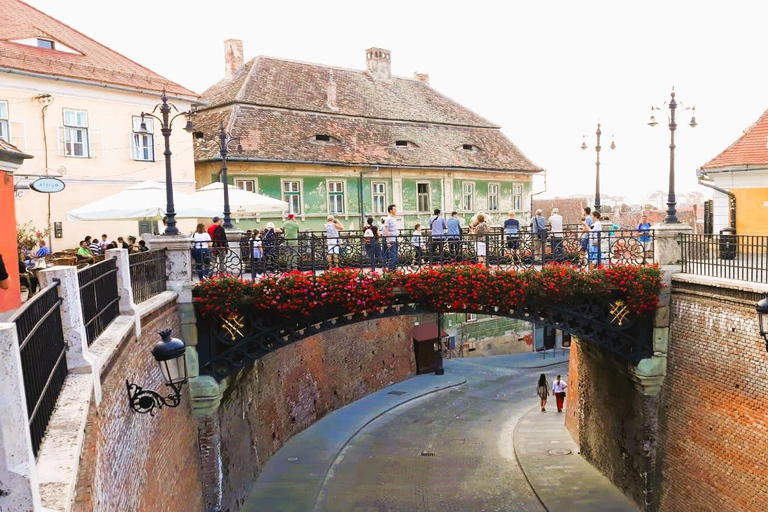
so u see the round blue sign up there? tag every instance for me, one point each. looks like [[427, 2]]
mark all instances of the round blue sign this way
[[47, 185]]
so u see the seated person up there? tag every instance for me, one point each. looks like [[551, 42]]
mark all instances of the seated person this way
[[122, 244], [143, 246], [95, 247], [28, 279], [43, 251], [83, 253]]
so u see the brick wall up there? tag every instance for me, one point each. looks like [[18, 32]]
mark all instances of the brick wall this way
[[288, 390], [714, 427], [132, 462], [572, 410]]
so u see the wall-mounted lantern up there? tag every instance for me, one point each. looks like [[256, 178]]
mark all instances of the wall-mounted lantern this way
[[169, 355], [762, 319]]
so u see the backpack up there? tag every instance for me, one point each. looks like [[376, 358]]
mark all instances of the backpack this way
[[368, 235]]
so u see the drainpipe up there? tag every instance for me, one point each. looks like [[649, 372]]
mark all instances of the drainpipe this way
[[45, 100], [540, 192], [706, 181]]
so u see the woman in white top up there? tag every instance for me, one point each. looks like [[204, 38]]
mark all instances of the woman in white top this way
[[558, 389], [201, 240], [332, 228]]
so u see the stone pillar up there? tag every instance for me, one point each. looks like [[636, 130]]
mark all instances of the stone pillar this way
[[666, 243], [18, 470], [178, 259], [78, 359], [124, 290]]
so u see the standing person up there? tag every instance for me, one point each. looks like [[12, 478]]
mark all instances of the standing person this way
[[542, 389], [5, 281], [105, 241], [453, 225], [383, 239], [437, 227], [391, 232], [291, 233], [132, 243], [201, 240], [480, 229], [556, 224], [594, 239], [371, 243], [558, 389], [220, 245], [258, 254], [332, 228], [269, 246], [585, 237], [512, 231], [644, 230], [417, 242], [539, 230]]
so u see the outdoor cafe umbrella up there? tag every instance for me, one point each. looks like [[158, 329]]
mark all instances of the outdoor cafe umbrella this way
[[143, 201], [241, 202]]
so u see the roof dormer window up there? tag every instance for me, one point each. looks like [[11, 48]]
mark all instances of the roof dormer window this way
[[405, 144], [469, 147], [45, 43], [325, 138]]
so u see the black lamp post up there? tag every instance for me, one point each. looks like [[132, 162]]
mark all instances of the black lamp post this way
[[597, 164], [169, 355], [165, 123], [670, 109], [762, 319], [225, 141]]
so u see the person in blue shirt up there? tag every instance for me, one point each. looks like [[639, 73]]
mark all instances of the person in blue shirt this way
[[453, 227], [644, 229], [43, 251], [585, 237], [437, 228], [512, 232]]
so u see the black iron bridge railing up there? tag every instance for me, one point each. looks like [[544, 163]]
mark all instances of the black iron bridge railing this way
[[272, 254]]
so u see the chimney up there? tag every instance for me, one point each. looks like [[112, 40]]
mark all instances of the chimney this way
[[331, 91], [233, 56], [379, 63], [421, 77]]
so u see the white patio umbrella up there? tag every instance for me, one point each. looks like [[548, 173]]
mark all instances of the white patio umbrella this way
[[143, 201], [241, 202]]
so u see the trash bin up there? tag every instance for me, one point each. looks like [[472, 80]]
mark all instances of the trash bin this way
[[728, 244]]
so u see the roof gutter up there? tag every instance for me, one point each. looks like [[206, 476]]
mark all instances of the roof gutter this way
[[706, 181], [196, 101], [377, 166]]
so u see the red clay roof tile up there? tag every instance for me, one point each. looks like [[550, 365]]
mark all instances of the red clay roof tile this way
[[749, 149]]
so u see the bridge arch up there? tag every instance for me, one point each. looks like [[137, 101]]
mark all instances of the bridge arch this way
[[238, 326]]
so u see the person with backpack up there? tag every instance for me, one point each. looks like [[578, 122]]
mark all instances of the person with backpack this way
[[437, 229], [539, 230], [371, 243]]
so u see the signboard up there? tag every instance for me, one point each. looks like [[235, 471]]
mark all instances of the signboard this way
[[57, 231], [47, 185]]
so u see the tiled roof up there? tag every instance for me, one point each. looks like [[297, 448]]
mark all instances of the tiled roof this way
[[278, 106], [749, 149], [7, 146], [94, 62]]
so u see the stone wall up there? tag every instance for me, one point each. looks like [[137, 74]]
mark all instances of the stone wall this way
[[572, 410], [714, 427], [136, 462], [288, 390], [616, 422]]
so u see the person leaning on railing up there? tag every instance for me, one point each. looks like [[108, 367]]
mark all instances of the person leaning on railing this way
[[201, 241], [480, 229], [644, 230]]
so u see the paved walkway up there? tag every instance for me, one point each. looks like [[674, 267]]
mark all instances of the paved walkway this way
[[562, 479]]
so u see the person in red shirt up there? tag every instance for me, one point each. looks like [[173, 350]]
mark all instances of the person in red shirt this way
[[213, 226]]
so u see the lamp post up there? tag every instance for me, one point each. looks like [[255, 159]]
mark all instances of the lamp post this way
[[670, 110], [225, 141], [598, 133], [169, 354], [762, 319], [166, 121]]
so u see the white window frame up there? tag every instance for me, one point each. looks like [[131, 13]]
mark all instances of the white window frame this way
[[468, 192], [495, 195], [333, 197], [429, 197], [254, 185], [5, 122], [470, 317], [142, 144], [300, 194], [382, 196], [517, 197], [72, 130]]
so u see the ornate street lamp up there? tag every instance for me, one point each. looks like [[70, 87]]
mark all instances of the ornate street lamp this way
[[169, 355], [670, 110], [597, 163], [225, 142], [762, 319], [165, 123]]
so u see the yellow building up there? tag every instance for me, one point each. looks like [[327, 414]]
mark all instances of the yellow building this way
[[739, 176], [72, 104]]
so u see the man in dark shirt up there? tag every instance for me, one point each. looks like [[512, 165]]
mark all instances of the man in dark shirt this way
[[219, 246], [512, 232]]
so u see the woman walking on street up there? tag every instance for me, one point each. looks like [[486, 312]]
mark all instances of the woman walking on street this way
[[558, 389], [542, 389]]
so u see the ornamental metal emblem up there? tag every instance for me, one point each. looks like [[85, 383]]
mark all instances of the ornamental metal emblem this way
[[233, 326], [619, 312]]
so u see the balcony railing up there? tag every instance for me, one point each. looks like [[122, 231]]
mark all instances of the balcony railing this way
[[148, 274], [43, 361], [740, 257], [99, 297]]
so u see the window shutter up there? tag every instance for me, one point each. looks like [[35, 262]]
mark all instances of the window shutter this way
[[131, 146], [95, 144], [18, 131], [60, 141]]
